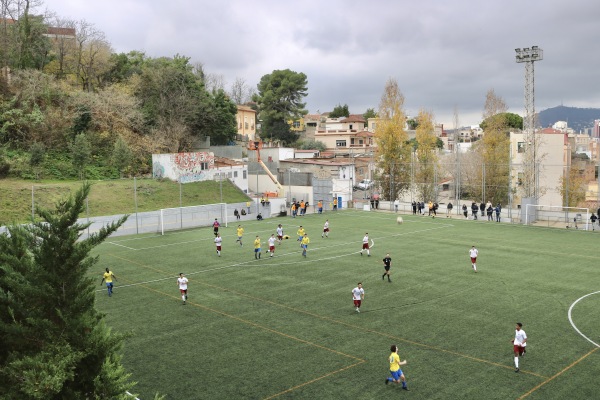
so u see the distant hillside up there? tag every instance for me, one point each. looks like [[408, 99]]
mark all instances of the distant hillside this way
[[577, 118]]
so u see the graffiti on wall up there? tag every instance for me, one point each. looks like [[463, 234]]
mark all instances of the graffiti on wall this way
[[183, 167]]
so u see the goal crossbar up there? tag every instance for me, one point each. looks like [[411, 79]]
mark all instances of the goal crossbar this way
[[192, 217], [570, 216]]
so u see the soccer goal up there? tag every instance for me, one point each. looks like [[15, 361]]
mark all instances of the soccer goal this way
[[192, 217], [557, 216]]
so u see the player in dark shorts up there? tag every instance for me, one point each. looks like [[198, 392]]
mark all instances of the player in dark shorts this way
[[387, 264]]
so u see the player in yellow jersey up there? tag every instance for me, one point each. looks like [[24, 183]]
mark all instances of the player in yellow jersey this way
[[304, 244], [300, 232], [395, 371], [108, 277], [257, 247], [240, 233]]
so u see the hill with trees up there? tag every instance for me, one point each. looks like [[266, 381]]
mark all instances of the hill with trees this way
[[576, 118]]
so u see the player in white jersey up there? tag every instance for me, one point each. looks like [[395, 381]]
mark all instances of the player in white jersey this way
[[519, 343], [182, 282], [365, 245], [279, 233], [473, 252], [271, 241], [358, 295], [325, 229], [218, 241]]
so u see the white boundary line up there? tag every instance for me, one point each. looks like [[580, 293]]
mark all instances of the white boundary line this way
[[571, 319]]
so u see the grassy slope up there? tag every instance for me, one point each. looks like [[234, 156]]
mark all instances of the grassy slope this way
[[110, 197]]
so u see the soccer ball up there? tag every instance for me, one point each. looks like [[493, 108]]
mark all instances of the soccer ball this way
[[286, 237], [399, 220]]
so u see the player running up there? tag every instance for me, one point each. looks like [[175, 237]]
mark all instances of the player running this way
[[182, 282], [325, 229], [300, 232], [279, 233], [257, 247], [271, 241], [365, 245], [473, 253], [218, 242], [240, 233], [304, 244], [519, 343]]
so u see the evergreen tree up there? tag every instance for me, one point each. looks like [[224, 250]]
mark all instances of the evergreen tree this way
[[121, 156], [53, 342], [81, 151]]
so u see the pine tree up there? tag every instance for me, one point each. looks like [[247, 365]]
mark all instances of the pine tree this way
[[53, 342]]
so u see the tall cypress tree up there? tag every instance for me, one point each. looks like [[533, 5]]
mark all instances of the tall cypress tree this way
[[53, 342]]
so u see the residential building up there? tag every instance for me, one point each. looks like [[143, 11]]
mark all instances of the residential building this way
[[246, 123], [554, 155], [345, 134]]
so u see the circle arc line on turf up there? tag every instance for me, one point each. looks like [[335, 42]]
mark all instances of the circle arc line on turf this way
[[569, 314]]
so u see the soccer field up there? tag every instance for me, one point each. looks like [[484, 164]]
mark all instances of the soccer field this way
[[284, 327]]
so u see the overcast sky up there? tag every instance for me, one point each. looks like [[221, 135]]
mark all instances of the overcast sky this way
[[445, 54]]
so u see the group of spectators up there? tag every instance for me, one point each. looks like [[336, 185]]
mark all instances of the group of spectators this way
[[486, 210], [420, 207], [299, 208]]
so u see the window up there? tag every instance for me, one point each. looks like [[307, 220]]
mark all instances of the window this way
[[244, 174], [203, 166], [350, 126], [520, 177], [521, 147], [235, 174], [296, 124], [340, 143], [245, 125]]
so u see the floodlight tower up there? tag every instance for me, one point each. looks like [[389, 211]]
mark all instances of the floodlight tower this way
[[530, 165]]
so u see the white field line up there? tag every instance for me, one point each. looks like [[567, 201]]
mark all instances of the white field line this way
[[253, 261], [573, 324]]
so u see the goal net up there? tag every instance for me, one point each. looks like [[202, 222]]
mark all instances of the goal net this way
[[557, 216], [192, 217]]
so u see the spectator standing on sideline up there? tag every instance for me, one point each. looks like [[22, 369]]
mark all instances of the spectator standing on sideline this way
[[216, 226], [519, 344], [473, 253], [325, 233], [482, 208], [236, 214], [335, 204], [240, 233], [182, 282], [498, 209], [474, 210], [248, 206], [358, 295], [414, 207], [365, 245], [218, 242], [430, 207], [108, 277], [302, 207], [449, 210], [294, 211], [257, 247], [271, 241], [465, 211], [387, 264], [490, 212], [395, 371], [593, 218], [396, 204], [320, 206]]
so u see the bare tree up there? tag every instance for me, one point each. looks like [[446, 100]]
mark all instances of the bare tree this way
[[240, 92]]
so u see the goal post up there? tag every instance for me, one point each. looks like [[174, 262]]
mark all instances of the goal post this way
[[192, 217], [557, 216]]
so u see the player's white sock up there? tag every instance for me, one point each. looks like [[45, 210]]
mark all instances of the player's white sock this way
[[183, 297], [475, 267], [516, 362]]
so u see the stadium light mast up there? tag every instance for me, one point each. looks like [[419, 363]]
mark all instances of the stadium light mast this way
[[530, 166]]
